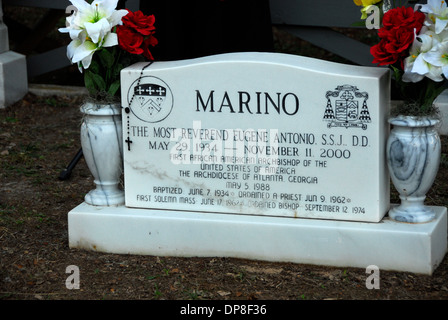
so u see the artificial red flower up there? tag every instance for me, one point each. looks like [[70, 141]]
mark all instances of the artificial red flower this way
[[139, 22], [397, 35], [381, 55], [136, 34], [403, 17], [150, 41], [400, 40], [130, 40]]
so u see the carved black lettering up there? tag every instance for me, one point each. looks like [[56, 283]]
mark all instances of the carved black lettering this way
[[295, 104], [226, 103], [244, 98], [275, 105], [201, 101]]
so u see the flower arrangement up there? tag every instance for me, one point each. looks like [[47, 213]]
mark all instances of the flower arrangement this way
[[413, 42], [105, 40]]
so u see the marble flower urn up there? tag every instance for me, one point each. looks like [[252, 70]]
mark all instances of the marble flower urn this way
[[101, 141], [413, 157]]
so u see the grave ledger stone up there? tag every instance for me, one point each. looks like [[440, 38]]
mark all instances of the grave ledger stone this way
[[257, 134]]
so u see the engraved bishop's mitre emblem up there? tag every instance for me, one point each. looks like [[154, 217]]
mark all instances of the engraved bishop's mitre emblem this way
[[347, 107]]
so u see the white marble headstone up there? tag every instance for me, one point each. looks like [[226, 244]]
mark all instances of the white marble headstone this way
[[257, 134], [13, 71], [4, 37]]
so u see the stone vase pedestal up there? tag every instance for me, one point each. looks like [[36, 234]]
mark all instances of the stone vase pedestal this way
[[413, 157], [101, 141]]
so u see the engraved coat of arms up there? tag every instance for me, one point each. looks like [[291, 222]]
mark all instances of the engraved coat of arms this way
[[150, 98], [347, 107]]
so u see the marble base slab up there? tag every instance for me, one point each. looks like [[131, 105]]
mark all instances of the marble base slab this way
[[390, 245]]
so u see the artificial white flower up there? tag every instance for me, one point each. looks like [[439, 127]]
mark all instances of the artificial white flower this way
[[417, 66], [438, 57], [90, 28], [95, 12], [437, 13], [83, 51]]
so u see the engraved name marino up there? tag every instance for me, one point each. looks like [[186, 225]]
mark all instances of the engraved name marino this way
[[245, 102]]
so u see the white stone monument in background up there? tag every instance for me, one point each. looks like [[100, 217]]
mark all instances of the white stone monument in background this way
[[261, 156], [13, 71]]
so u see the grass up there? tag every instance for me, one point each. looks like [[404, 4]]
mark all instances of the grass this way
[[16, 216], [23, 160]]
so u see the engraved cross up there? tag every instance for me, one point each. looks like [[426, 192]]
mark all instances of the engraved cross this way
[[128, 141], [150, 90]]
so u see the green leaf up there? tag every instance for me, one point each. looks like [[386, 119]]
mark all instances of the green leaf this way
[[89, 83], [94, 82], [397, 73], [114, 87], [117, 69], [94, 66], [107, 58], [99, 82]]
